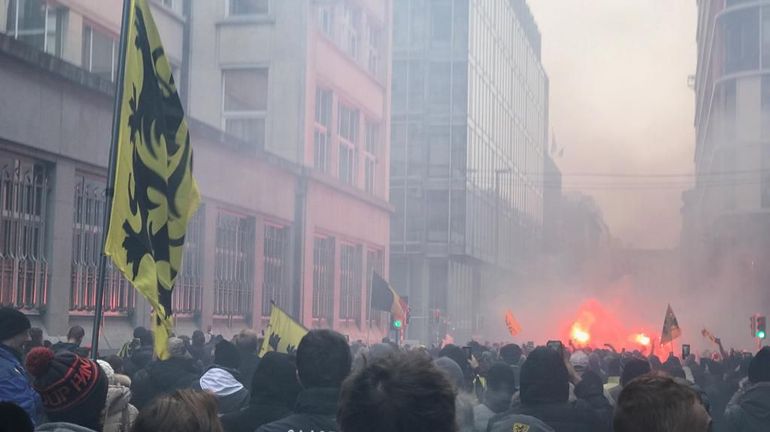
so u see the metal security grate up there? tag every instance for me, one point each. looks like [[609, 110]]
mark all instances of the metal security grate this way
[[350, 283], [323, 278], [23, 264], [188, 289], [119, 295], [275, 287], [233, 284]]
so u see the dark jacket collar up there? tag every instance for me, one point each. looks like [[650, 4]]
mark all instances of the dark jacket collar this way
[[317, 401]]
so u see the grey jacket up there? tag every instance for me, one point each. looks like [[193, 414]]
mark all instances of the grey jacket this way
[[749, 409]]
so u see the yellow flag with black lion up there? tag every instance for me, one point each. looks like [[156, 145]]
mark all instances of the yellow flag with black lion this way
[[155, 194]]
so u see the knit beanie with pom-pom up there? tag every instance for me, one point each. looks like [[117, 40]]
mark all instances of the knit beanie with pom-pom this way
[[73, 388]]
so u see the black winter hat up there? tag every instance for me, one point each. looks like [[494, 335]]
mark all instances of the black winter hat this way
[[12, 323], [544, 378], [226, 354], [759, 368], [73, 388]]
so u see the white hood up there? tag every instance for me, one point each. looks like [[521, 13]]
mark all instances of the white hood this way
[[220, 382]]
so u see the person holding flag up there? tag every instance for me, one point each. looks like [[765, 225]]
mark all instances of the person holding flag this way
[[153, 194]]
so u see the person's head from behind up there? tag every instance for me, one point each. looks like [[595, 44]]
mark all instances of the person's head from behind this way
[[181, 411], [544, 378], [501, 385], [36, 336], [226, 355], [14, 328], [76, 335], [247, 341], [403, 392], [198, 338], [323, 359], [116, 362], [634, 369], [275, 381], [759, 367], [14, 418], [657, 403], [511, 354], [73, 389]]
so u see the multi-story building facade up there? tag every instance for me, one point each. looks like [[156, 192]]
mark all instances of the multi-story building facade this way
[[726, 230], [469, 127], [289, 110]]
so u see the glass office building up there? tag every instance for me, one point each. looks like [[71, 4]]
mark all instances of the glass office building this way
[[469, 133]]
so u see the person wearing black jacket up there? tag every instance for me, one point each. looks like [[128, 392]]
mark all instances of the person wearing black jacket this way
[[544, 394], [247, 348], [323, 362], [164, 377], [274, 392]]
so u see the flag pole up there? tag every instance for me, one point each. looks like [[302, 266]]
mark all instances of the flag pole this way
[[109, 190], [369, 314]]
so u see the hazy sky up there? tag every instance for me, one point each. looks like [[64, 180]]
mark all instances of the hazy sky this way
[[620, 104]]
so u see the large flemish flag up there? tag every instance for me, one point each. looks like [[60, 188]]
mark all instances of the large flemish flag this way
[[154, 190], [671, 328], [283, 333], [385, 298]]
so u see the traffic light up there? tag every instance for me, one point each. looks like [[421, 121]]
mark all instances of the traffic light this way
[[754, 325], [396, 324], [761, 327]]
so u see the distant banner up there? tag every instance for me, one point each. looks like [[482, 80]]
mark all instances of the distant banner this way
[[512, 323], [283, 333], [671, 328]]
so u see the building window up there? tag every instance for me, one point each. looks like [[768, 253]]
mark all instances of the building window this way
[[326, 20], [351, 23], [86, 252], [350, 283], [323, 279], [348, 133], [188, 291], [276, 282], [248, 7], [37, 23], [741, 38], [168, 3], [370, 155], [99, 53], [374, 263], [375, 45], [233, 280], [438, 216], [322, 132], [441, 22], [23, 225], [245, 104]]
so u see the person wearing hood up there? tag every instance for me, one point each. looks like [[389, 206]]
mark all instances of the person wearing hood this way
[[464, 401], [222, 379], [501, 385], [274, 390], [164, 376], [323, 363], [15, 382], [73, 388], [119, 414], [749, 409], [633, 369], [544, 394]]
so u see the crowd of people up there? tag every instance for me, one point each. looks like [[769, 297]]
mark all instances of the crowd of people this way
[[214, 384]]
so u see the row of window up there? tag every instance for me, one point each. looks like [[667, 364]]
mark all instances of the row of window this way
[[345, 138], [354, 284], [355, 33]]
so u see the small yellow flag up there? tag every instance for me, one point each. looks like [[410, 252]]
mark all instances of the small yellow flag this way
[[154, 190], [283, 334]]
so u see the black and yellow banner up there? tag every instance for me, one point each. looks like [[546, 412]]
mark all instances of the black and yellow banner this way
[[154, 190], [283, 333]]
